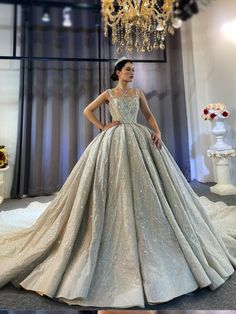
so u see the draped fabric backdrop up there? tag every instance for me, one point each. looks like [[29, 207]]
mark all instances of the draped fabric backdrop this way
[[52, 131]]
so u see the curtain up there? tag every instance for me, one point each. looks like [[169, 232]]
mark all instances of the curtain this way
[[52, 131]]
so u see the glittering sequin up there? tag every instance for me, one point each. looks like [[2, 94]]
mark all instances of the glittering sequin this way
[[125, 226]]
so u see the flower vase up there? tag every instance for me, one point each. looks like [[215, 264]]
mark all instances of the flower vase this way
[[219, 131]]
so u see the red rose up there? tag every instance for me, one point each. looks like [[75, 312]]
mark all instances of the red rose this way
[[2, 156], [225, 114], [212, 115], [205, 111]]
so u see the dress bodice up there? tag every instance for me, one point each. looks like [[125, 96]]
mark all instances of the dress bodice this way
[[125, 109]]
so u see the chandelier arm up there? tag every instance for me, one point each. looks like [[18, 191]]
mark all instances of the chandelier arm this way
[[114, 23], [162, 13], [110, 16]]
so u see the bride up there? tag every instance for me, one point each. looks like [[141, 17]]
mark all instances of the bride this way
[[126, 228]]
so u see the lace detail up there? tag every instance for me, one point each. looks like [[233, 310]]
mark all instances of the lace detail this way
[[125, 109]]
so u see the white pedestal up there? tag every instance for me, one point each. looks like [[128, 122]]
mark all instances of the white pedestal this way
[[3, 172], [224, 185]]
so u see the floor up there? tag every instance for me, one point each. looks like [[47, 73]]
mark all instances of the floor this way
[[223, 298]]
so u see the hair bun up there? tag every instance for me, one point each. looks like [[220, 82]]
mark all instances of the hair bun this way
[[114, 77]]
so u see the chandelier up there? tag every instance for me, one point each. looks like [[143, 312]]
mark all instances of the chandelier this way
[[139, 24]]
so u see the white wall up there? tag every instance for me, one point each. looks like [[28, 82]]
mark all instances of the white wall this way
[[9, 91], [209, 58]]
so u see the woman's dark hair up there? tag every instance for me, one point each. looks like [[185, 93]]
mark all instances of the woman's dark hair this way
[[119, 67]]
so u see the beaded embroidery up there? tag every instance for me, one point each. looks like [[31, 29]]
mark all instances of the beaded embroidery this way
[[124, 109]]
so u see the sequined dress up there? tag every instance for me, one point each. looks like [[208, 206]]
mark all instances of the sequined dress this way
[[125, 229]]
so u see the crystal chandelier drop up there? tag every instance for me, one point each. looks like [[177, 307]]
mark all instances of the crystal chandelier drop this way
[[140, 24]]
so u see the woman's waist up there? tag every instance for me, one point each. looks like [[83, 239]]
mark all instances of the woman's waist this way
[[123, 121]]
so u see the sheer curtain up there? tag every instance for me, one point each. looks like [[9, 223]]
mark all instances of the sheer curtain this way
[[52, 131]]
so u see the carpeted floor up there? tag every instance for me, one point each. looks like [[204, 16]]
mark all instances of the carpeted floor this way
[[223, 298]]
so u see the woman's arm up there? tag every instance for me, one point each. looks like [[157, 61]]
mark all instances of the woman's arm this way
[[156, 134], [98, 102]]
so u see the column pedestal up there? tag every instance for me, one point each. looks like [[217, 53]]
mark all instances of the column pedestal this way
[[3, 172], [224, 185]]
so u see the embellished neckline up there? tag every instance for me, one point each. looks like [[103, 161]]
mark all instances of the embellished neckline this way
[[122, 97]]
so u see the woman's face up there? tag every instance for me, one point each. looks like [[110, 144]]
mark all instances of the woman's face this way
[[126, 73]]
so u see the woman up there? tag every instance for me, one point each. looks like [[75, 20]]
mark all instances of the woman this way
[[124, 73], [126, 228]]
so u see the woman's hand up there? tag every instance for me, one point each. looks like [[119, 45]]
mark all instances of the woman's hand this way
[[110, 125], [156, 139]]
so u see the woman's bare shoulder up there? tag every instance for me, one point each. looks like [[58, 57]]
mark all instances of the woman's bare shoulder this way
[[105, 95]]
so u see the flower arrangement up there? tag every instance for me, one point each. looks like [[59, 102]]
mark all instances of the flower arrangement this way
[[215, 112], [3, 157]]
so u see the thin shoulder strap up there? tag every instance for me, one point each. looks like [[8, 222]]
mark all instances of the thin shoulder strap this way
[[137, 92], [110, 92]]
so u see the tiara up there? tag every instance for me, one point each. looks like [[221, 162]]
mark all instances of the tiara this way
[[119, 60]]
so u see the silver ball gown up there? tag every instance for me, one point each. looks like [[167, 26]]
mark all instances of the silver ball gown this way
[[125, 228]]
